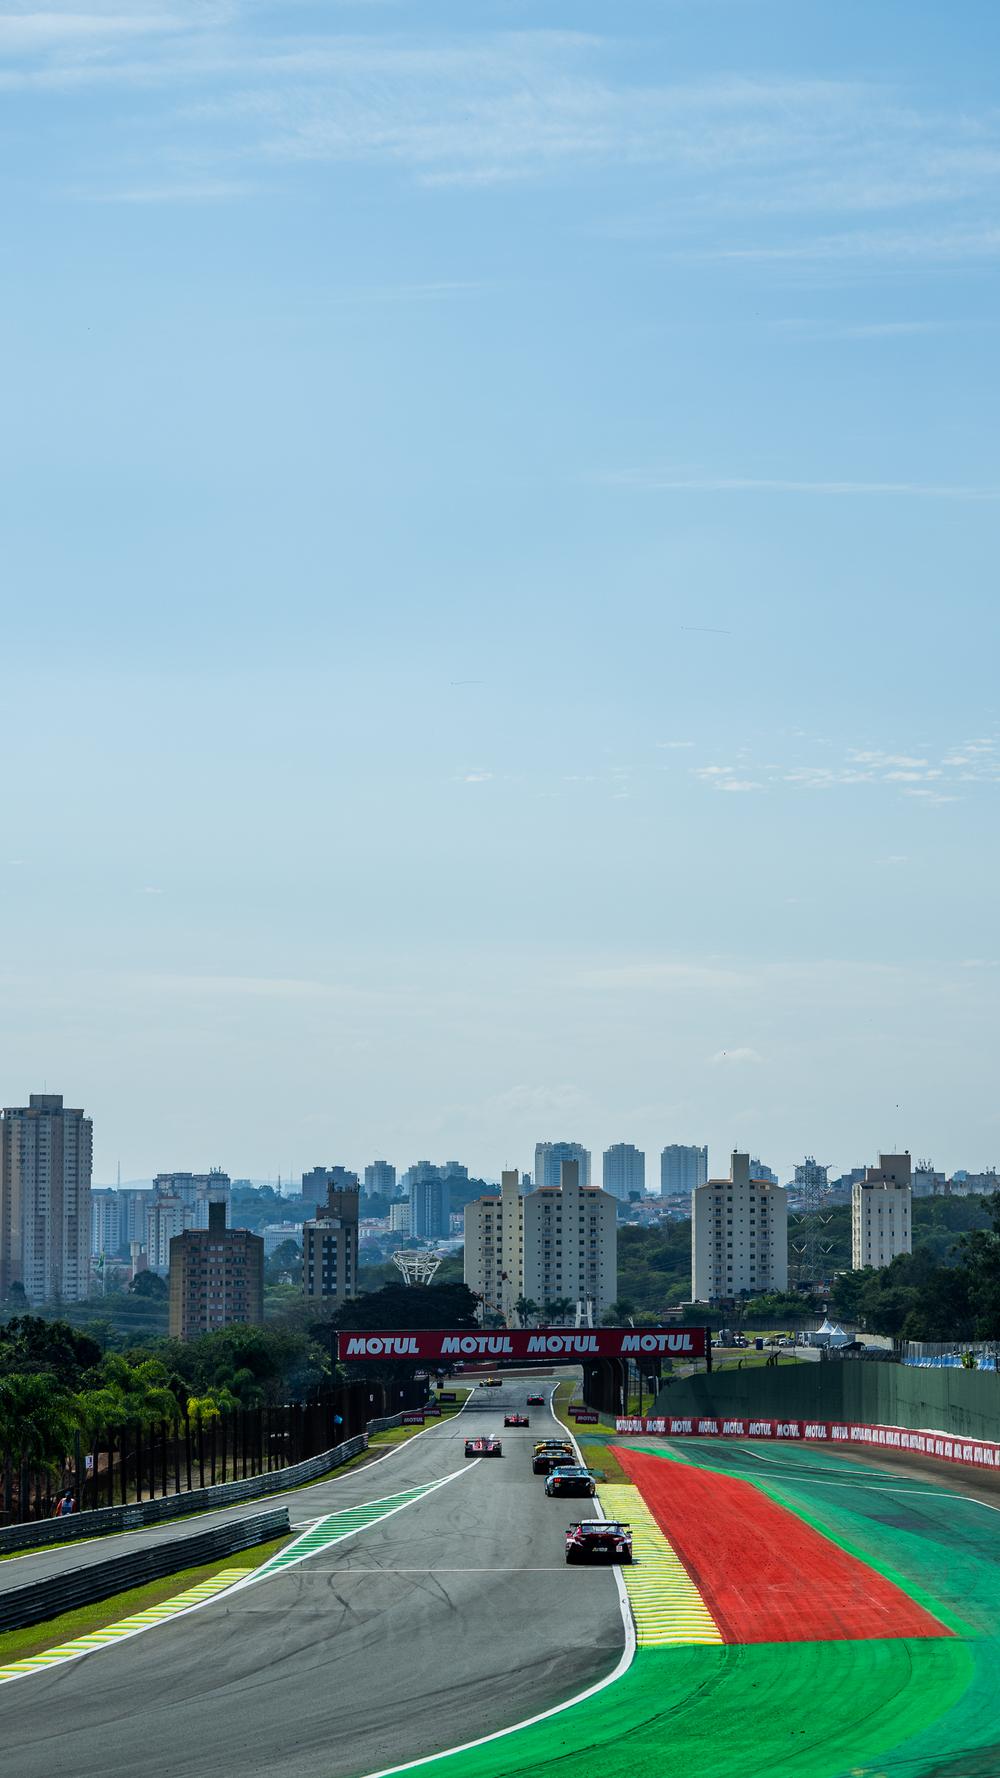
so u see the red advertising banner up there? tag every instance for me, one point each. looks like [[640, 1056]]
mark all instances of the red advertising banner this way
[[457, 1345], [415, 1419], [982, 1453]]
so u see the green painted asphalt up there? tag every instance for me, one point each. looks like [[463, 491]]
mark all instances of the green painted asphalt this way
[[872, 1709]]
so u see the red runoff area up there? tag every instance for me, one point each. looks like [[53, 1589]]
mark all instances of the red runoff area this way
[[764, 1574]]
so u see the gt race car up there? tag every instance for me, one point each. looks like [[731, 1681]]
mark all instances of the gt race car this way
[[551, 1456], [570, 1479], [599, 1540], [536, 1401], [483, 1447], [516, 1420], [492, 1382]]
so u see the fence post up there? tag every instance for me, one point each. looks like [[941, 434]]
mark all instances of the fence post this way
[[200, 1435], [187, 1450]]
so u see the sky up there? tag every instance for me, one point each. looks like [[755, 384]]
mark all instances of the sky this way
[[499, 620]]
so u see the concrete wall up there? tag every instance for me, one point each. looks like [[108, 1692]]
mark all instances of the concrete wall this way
[[964, 1402]]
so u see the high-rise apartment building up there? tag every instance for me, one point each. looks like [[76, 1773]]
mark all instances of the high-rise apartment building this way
[[380, 1180], [624, 1171], [549, 1157], [554, 1244], [683, 1167], [399, 1217], [167, 1216], [197, 1191], [430, 1199], [739, 1235], [46, 1153], [330, 1247], [216, 1278], [318, 1181], [105, 1222], [882, 1212], [494, 1243]]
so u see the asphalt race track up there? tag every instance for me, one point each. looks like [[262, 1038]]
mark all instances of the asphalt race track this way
[[454, 1617]]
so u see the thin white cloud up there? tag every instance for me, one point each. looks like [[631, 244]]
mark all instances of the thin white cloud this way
[[476, 777], [735, 484]]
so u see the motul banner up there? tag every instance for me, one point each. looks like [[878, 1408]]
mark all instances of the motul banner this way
[[432, 1345], [982, 1453]]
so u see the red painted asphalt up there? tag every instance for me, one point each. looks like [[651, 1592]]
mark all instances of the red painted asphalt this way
[[765, 1575]]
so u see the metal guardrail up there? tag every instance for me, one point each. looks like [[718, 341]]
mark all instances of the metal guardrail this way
[[109, 1519], [386, 1424], [43, 1599]]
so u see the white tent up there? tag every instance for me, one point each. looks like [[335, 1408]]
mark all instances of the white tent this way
[[830, 1334]]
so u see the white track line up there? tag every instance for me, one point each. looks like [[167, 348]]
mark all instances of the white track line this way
[[251, 1579]]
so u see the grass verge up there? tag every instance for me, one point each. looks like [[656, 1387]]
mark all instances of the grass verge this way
[[595, 1450], [35, 1638]]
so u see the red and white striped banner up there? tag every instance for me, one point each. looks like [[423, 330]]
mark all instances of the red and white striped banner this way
[[980, 1452]]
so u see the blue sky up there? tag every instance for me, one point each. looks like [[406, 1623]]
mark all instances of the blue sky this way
[[500, 512]]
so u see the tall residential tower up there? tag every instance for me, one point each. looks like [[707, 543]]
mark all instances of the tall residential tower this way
[[46, 1153]]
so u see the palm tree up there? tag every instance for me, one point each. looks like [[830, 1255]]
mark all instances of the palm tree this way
[[525, 1308], [558, 1310], [38, 1420]]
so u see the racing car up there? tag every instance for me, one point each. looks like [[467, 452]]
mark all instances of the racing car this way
[[492, 1382], [599, 1540], [516, 1420], [536, 1401], [483, 1447], [569, 1479], [552, 1454]]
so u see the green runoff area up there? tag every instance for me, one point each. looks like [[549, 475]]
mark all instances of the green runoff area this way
[[923, 1708]]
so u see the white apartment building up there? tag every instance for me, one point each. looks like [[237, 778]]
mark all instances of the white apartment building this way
[[739, 1235], [45, 1221], [167, 1215], [624, 1170], [882, 1212], [557, 1243]]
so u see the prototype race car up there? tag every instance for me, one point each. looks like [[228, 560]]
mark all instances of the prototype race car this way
[[569, 1479], [483, 1447], [492, 1382], [599, 1540], [516, 1420], [550, 1456], [536, 1401]]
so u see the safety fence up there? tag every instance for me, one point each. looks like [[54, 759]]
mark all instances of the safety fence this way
[[40, 1600], [36, 1533], [981, 1453]]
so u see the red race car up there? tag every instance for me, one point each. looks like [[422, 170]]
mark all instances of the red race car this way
[[516, 1420], [483, 1447], [599, 1540], [536, 1401]]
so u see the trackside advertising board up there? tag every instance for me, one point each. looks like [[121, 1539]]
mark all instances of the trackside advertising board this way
[[431, 1345], [982, 1453]]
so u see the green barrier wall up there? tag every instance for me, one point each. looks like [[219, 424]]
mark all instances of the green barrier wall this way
[[964, 1402]]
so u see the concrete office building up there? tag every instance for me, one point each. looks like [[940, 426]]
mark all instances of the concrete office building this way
[[624, 1170], [330, 1247], [739, 1235], [549, 1157], [216, 1278], [556, 1243], [46, 1152], [380, 1180], [683, 1167], [882, 1212]]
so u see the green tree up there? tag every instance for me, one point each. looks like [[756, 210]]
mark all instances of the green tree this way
[[525, 1309], [150, 1285], [30, 1345]]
